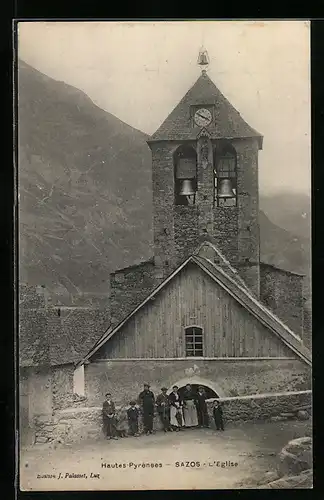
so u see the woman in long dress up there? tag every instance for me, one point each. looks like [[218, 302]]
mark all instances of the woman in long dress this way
[[189, 407], [176, 414]]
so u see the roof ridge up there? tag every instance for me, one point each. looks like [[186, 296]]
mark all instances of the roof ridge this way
[[223, 258]]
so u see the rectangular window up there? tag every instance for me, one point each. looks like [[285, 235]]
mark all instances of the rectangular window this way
[[194, 341]]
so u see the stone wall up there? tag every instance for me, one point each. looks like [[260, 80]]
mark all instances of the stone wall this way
[[282, 292], [262, 407], [186, 232], [62, 386], [31, 297], [75, 425], [129, 287], [250, 273], [227, 377], [51, 335], [44, 391]]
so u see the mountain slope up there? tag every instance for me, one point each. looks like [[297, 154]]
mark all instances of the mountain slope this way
[[282, 248], [84, 183], [289, 210], [85, 194]]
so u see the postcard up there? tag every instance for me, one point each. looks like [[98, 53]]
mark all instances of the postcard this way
[[164, 335]]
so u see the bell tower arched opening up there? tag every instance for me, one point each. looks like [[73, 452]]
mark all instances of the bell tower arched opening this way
[[225, 176], [185, 175]]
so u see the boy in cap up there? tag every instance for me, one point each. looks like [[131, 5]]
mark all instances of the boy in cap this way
[[218, 416], [163, 408], [109, 417], [132, 415], [147, 401]]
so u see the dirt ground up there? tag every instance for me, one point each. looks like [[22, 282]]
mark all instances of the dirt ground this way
[[193, 459]]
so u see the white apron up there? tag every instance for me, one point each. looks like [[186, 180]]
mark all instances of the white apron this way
[[173, 412], [190, 413]]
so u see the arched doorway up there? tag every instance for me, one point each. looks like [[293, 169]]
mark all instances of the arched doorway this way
[[212, 389], [210, 394]]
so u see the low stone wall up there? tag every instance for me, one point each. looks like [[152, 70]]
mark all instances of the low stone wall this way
[[262, 407], [78, 424]]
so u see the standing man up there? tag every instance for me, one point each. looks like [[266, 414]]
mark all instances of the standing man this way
[[147, 401], [163, 408], [109, 417], [203, 420]]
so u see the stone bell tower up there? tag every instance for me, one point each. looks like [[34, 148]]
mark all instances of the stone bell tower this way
[[205, 181]]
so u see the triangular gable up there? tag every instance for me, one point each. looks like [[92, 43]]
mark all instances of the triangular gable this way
[[238, 291], [228, 123]]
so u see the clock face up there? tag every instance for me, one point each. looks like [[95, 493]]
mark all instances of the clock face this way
[[203, 117]]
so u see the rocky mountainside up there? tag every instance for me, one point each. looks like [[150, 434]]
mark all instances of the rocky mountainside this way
[[84, 187], [85, 195], [289, 210]]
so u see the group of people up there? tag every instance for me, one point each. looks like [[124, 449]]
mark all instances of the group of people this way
[[175, 411]]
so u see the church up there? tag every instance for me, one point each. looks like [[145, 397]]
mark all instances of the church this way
[[204, 309]]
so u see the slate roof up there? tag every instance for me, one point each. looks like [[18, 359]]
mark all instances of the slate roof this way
[[265, 265], [56, 336], [225, 276], [228, 123]]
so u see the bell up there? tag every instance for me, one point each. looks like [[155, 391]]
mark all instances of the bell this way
[[225, 189], [187, 188], [203, 58]]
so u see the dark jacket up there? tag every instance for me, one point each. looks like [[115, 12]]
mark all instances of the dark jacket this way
[[201, 400], [146, 400], [218, 412], [189, 395], [132, 414], [108, 409], [162, 402], [173, 400]]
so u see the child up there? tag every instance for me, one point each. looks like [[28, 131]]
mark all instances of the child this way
[[132, 415], [122, 423], [218, 416], [109, 417]]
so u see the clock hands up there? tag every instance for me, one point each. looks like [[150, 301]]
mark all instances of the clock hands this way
[[202, 116]]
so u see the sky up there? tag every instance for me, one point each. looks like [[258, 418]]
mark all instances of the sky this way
[[139, 71]]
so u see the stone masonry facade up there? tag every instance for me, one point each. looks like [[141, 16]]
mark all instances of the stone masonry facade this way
[[282, 292], [129, 287], [228, 378]]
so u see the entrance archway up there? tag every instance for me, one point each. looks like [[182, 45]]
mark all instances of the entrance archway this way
[[212, 389]]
